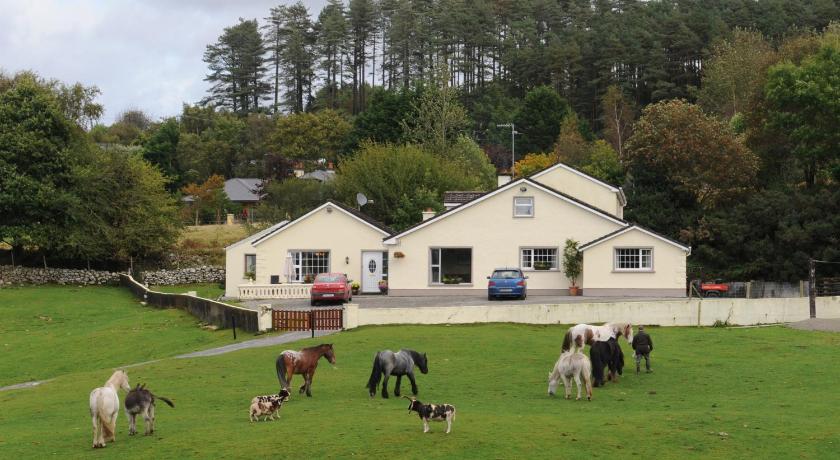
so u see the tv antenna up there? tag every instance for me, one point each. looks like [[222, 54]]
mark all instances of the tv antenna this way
[[362, 200]]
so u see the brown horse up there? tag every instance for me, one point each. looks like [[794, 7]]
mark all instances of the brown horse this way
[[302, 362]]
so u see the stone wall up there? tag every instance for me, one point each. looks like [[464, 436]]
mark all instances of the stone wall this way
[[28, 275], [203, 274]]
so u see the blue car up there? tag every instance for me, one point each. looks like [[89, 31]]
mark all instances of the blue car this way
[[507, 282]]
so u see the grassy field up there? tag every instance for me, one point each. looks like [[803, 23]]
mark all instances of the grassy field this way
[[206, 290], [208, 242], [50, 331]]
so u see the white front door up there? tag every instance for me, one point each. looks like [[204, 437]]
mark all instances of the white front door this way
[[371, 271]]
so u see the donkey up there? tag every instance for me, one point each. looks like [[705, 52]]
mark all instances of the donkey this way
[[104, 408], [606, 354], [141, 401], [571, 365], [388, 363]]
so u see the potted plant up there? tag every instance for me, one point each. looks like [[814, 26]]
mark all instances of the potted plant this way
[[383, 286], [354, 287], [250, 276], [542, 265], [572, 265], [453, 279], [308, 278]]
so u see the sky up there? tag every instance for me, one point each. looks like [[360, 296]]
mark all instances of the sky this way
[[141, 54]]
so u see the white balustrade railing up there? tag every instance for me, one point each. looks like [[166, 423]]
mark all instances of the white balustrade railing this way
[[274, 291]]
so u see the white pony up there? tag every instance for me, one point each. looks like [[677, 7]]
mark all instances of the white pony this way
[[585, 334], [571, 365], [104, 407]]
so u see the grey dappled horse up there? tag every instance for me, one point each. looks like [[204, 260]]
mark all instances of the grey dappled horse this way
[[388, 363]]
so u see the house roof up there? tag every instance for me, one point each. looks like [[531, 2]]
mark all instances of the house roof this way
[[624, 230], [323, 175], [259, 234], [243, 189], [582, 174], [358, 215], [460, 197], [568, 198]]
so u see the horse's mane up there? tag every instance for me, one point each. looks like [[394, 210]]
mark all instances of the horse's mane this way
[[416, 356], [318, 347]]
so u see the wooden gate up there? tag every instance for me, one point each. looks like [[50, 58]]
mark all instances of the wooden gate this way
[[307, 320]]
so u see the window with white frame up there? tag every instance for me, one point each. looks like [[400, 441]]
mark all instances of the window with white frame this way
[[629, 259], [539, 258], [523, 206], [450, 265], [305, 265], [250, 265]]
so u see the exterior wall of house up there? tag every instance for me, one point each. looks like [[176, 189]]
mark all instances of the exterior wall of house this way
[[667, 278], [583, 189], [344, 236], [496, 238]]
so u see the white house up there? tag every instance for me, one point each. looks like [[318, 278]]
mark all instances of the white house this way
[[523, 223]]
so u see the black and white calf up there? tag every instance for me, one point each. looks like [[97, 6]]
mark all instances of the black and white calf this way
[[266, 406], [435, 412]]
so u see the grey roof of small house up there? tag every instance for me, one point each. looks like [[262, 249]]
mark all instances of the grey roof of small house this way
[[244, 189], [460, 197], [323, 175]]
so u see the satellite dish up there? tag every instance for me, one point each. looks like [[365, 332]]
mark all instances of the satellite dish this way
[[361, 199]]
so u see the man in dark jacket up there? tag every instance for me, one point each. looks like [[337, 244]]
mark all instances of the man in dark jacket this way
[[642, 346]]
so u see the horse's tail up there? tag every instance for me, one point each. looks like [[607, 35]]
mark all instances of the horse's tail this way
[[166, 400], [567, 340], [281, 372], [104, 419], [375, 375]]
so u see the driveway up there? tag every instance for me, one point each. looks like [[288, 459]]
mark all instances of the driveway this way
[[382, 301]]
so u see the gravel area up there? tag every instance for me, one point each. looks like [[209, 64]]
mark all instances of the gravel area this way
[[817, 324]]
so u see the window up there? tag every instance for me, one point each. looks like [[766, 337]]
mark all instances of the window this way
[[539, 258], [639, 259], [523, 206], [250, 265], [306, 264], [451, 265]]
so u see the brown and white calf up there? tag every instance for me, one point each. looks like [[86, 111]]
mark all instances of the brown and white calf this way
[[267, 406], [434, 412]]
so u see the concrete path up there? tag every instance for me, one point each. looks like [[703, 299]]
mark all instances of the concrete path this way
[[257, 343], [254, 343], [817, 324]]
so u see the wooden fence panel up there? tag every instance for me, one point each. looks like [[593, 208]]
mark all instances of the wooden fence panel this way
[[297, 320]]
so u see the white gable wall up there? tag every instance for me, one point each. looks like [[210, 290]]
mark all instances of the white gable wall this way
[[583, 188], [496, 238], [667, 278]]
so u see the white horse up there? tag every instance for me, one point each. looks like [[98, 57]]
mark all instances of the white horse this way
[[104, 407], [571, 365], [585, 334]]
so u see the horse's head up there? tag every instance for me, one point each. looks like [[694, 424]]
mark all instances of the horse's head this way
[[628, 332], [330, 354], [122, 380], [553, 383], [423, 364]]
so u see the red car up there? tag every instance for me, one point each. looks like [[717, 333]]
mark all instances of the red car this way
[[330, 287]]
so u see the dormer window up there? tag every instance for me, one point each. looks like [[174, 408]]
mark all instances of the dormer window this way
[[523, 206]]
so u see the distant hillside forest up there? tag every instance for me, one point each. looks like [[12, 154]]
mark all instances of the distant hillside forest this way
[[719, 118]]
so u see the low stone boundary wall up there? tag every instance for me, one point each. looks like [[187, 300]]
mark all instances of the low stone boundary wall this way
[[676, 312], [203, 274], [28, 275], [209, 311]]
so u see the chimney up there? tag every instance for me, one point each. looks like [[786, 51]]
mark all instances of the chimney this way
[[428, 214], [502, 179]]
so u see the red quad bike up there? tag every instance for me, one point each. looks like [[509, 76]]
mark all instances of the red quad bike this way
[[714, 289]]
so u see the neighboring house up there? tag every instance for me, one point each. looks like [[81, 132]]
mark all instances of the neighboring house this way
[[245, 191], [321, 175], [523, 223], [455, 199]]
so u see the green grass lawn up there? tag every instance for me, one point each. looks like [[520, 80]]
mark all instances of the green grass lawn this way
[[207, 290], [48, 331], [715, 393]]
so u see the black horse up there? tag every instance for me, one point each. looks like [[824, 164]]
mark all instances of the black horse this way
[[606, 354], [388, 363]]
